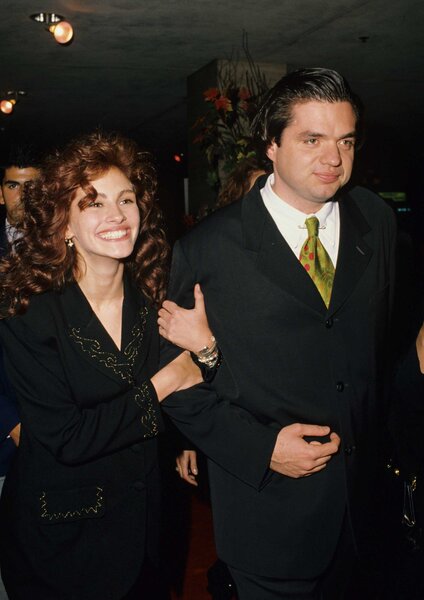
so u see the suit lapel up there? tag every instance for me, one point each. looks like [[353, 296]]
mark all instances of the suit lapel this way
[[278, 263], [275, 258], [354, 252], [91, 339]]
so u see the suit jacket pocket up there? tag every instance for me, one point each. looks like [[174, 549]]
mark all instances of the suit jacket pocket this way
[[62, 506]]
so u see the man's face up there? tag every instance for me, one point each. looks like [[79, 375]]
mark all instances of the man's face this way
[[315, 155], [11, 188]]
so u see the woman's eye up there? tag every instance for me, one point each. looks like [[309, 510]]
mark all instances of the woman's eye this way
[[94, 204], [127, 201]]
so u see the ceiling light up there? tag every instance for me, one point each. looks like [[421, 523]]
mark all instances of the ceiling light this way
[[8, 100], [56, 24]]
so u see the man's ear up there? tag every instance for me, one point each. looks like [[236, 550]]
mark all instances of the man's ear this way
[[1, 196], [270, 151]]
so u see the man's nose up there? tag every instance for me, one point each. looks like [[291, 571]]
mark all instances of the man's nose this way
[[331, 155]]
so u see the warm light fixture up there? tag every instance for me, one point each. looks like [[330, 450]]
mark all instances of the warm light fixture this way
[[56, 24], [9, 99]]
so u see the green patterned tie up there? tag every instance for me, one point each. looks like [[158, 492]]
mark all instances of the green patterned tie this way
[[316, 261]]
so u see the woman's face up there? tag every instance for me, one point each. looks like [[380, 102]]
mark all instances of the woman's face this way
[[108, 227]]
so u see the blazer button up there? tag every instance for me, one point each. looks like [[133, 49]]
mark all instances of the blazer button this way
[[340, 386], [139, 486], [329, 323], [349, 449]]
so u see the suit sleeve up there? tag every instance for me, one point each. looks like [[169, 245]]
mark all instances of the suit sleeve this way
[[73, 434], [9, 417], [227, 434]]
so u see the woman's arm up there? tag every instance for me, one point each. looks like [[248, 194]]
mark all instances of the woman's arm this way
[[73, 432], [179, 374]]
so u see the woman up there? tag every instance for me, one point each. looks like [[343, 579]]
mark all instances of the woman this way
[[80, 506]]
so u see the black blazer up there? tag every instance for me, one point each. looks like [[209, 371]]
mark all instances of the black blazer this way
[[287, 359], [8, 410], [80, 503]]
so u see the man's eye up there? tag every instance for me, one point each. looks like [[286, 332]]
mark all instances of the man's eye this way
[[347, 143], [311, 141], [12, 186]]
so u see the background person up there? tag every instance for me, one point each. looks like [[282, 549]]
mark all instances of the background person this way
[[22, 166]]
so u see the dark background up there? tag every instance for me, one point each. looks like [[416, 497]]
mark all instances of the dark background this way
[[127, 66]]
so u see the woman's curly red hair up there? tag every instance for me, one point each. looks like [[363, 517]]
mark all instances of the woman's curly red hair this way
[[41, 260]]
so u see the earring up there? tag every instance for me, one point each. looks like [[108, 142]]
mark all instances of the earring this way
[[69, 242]]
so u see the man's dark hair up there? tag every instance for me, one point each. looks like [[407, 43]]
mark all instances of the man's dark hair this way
[[23, 155], [303, 85]]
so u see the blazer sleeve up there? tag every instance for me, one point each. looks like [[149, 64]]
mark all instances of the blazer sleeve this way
[[73, 434], [227, 434], [9, 417]]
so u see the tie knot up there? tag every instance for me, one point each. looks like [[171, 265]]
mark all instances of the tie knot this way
[[312, 225]]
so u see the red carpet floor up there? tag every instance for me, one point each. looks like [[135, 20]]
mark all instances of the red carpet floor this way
[[201, 552]]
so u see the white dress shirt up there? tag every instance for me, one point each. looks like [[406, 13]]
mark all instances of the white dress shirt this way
[[291, 222]]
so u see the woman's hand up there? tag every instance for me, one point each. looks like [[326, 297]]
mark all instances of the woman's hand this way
[[177, 375], [188, 329], [187, 466]]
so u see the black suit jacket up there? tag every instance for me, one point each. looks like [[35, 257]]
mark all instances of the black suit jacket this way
[[80, 503], [8, 410], [287, 359]]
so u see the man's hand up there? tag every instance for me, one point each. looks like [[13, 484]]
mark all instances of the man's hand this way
[[187, 466], [295, 457], [15, 434]]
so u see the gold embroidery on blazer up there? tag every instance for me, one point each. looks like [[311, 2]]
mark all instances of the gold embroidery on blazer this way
[[71, 514], [110, 360], [124, 369], [143, 400]]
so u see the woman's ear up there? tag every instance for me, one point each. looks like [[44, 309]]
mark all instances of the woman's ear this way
[[68, 232]]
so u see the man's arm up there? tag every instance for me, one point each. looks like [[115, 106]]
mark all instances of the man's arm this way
[[225, 432]]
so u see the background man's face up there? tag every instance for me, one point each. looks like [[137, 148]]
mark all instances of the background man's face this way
[[315, 155], [11, 188]]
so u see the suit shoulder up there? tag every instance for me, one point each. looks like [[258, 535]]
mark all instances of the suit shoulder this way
[[216, 225], [370, 203]]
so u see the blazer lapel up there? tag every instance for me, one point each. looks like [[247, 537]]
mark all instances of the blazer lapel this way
[[354, 252], [275, 258], [138, 326], [93, 342]]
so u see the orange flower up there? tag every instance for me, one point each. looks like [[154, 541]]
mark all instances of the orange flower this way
[[244, 93], [211, 94], [223, 103]]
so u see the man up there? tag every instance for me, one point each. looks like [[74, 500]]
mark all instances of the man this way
[[297, 279], [21, 167]]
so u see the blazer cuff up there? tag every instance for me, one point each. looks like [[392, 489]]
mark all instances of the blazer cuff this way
[[146, 399]]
